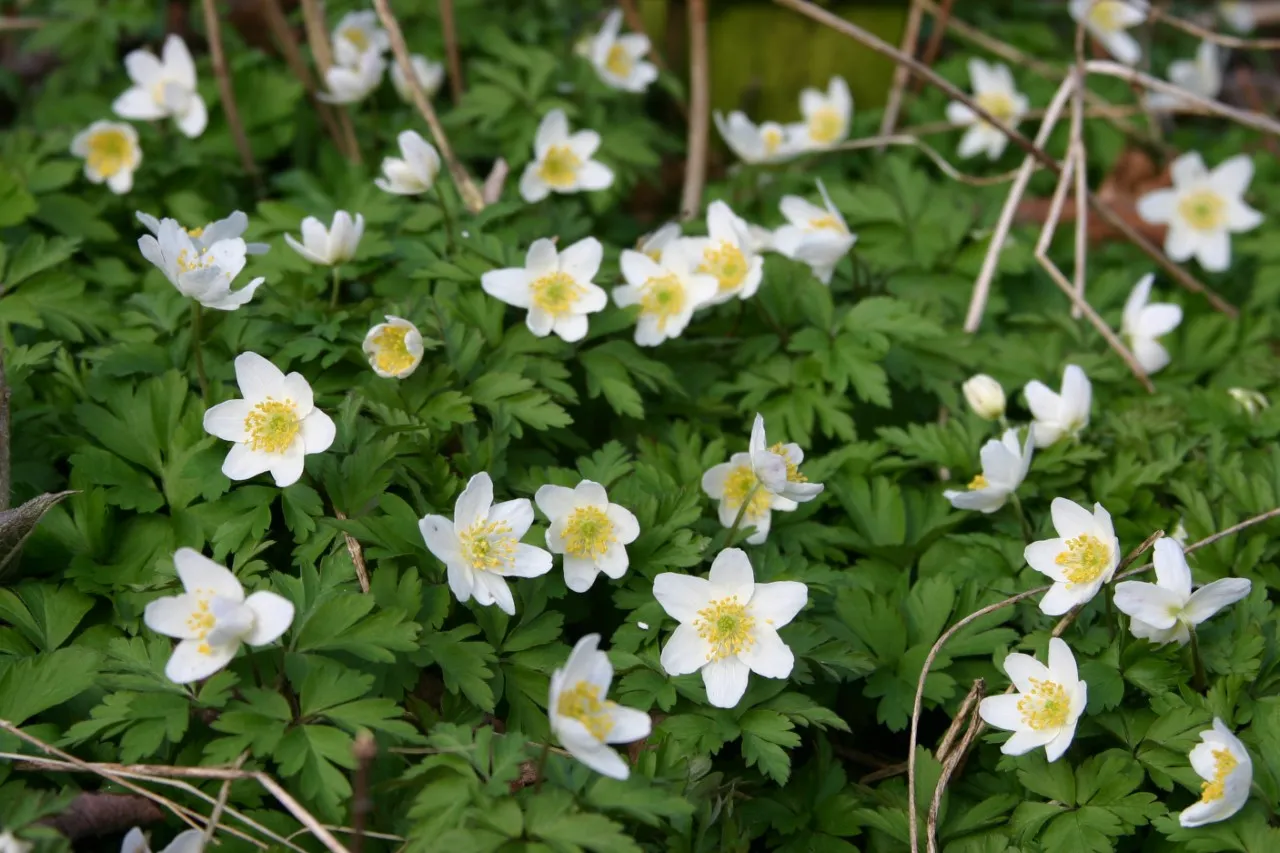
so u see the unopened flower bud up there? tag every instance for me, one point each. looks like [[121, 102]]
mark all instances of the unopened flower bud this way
[[985, 396]]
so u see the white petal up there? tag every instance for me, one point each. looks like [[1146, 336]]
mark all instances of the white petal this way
[[243, 463], [198, 572], [508, 285], [1070, 519], [496, 592], [1212, 597], [169, 616], [461, 580], [629, 725], [555, 502], [726, 681], [959, 114], [1241, 217], [1001, 712], [776, 604], [317, 432], [530, 562], [272, 616], [193, 122], [1153, 605], [1157, 320], [517, 513], [682, 596], [287, 466], [1022, 668], [473, 504], [731, 575], [189, 663], [1054, 749], [440, 538], [552, 130], [1059, 599], [226, 420], [768, 655], [579, 573], [626, 527], [1233, 175], [582, 260], [595, 175], [1062, 664], [685, 651], [134, 842], [191, 841], [1158, 206], [1214, 252], [532, 188], [1042, 556], [1025, 740], [258, 378], [1187, 168], [1172, 571]]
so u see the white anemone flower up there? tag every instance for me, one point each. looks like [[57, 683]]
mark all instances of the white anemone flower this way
[[1200, 76], [111, 153], [1144, 323], [1249, 400], [654, 242], [1047, 706], [728, 625], [1221, 760], [164, 87], [562, 161], [394, 348], [1108, 21], [583, 720], [414, 171], [353, 76], [274, 426], [10, 843], [1058, 415], [985, 396], [1238, 14], [995, 92], [817, 236], [592, 533], [204, 237], [481, 546], [1167, 611], [212, 617], [555, 287], [668, 292], [728, 253], [733, 484], [362, 32], [430, 76], [200, 272], [331, 246], [191, 841], [1082, 557], [619, 59], [767, 142], [1005, 463], [777, 466], [1203, 209], [826, 116]]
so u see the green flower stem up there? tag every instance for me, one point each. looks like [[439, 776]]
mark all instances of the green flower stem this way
[[1016, 502], [1199, 681], [742, 512], [447, 213], [542, 765], [337, 286], [196, 351]]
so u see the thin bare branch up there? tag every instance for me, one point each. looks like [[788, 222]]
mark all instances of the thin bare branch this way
[[356, 550], [1082, 174], [213, 30], [695, 170], [1160, 14], [951, 758], [635, 22], [453, 56], [318, 38], [292, 52], [941, 17], [930, 152], [901, 73]]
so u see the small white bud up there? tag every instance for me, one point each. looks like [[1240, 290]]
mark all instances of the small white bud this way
[[1249, 400], [985, 396]]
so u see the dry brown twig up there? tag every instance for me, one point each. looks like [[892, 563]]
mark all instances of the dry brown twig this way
[[1159, 14], [222, 75], [318, 38], [941, 17], [453, 56], [356, 550], [951, 758], [901, 72], [695, 173], [292, 53]]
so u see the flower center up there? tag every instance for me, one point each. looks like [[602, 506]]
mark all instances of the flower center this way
[[772, 138], [999, 104], [1203, 210], [1106, 15], [273, 425], [793, 471], [619, 63], [1223, 763], [194, 232], [1085, 559], [108, 152], [583, 703], [201, 620], [978, 482], [357, 37], [559, 167], [556, 293], [588, 533], [393, 355], [726, 262], [663, 296], [1046, 706], [488, 545], [828, 223], [727, 626], [825, 125], [740, 483], [189, 261]]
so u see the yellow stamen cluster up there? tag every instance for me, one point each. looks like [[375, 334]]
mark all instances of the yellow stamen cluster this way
[[559, 168], [793, 471], [740, 483], [588, 533], [1223, 763], [583, 703], [828, 223], [1046, 706], [978, 482], [1203, 210], [392, 355], [726, 262], [1084, 560], [273, 425], [488, 545], [556, 293], [772, 138], [619, 63], [664, 297], [201, 620], [194, 232], [189, 261], [825, 125], [727, 626], [357, 37], [109, 152], [999, 104], [1105, 15]]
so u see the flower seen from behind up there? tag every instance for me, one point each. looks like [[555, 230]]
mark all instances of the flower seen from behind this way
[[995, 92], [562, 161], [394, 348], [1144, 323], [1044, 710], [205, 236], [111, 154], [1108, 21], [353, 76], [668, 292], [414, 171], [734, 484], [583, 720], [728, 254], [1082, 557], [777, 467], [1203, 209], [331, 246], [826, 116], [1005, 462], [1167, 611], [274, 426], [619, 59], [654, 242], [590, 532], [1200, 76], [212, 617], [767, 142], [817, 236], [163, 87], [728, 625], [429, 74], [1059, 414], [1221, 760], [555, 287], [199, 272], [985, 396], [481, 545], [191, 841]]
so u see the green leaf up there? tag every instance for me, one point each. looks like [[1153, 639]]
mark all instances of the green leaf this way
[[35, 684], [764, 734]]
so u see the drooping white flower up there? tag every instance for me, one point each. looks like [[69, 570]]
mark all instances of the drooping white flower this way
[[583, 720], [1238, 14], [777, 466], [191, 841], [826, 116], [556, 288], [1200, 76], [203, 238], [111, 153], [10, 843], [331, 246], [481, 546], [1143, 323], [562, 161], [1082, 557], [1167, 611], [274, 426], [1249, 400], [995, 92], [414, 171], [653, 243], [668, 292], [1108, 22], [1221, 760], [985, 396], [430, 75], [768, 142], [394, 348], [1203, 209], [728, 625], [1058, 415], [728, 253], [817, 236], [164, 87], [200, 272], [733, 484], [619, 59], [212, 618], [591, 532], [353, 76], [1044, 711], [362, 34], [1005, 463]]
